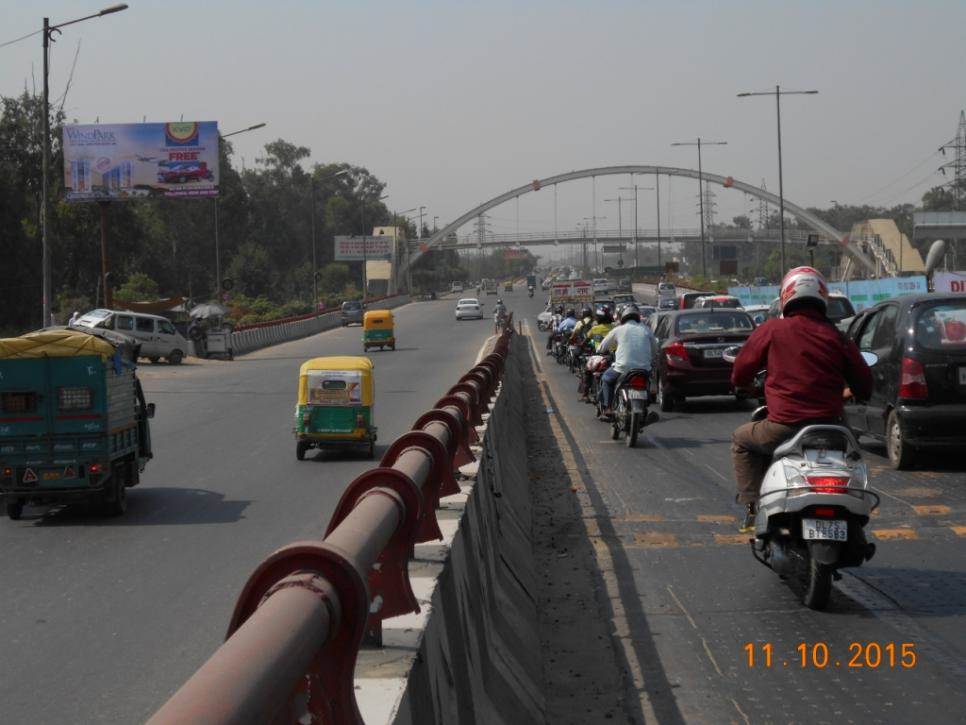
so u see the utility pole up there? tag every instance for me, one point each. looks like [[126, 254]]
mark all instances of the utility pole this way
[[699, 142], [635, 188], [778, 93], [958, 165]]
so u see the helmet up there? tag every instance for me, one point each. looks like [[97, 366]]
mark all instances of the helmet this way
[[803, 285], [603, 315], [559, 309], [630, 312], [571, 312], [499, 300], [586, 312]]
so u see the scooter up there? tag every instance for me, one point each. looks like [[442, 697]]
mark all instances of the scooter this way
[[530, 291], [813, 507], [630, 406]]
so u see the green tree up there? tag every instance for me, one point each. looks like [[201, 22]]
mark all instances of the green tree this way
[[138, 288]]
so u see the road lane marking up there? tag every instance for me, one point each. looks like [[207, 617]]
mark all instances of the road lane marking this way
[[715, 519], [888, 534], [959, 530], [717, 473], [656, 540], [642, 518], [731, 538], [932, 510], [704, 642], [920, 492]]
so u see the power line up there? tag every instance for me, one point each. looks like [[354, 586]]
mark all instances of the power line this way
[[900, 178], [22, 37]]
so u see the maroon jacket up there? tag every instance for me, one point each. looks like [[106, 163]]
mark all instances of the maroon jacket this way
[[809, 363]]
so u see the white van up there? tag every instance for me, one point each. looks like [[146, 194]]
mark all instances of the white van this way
[[158, 337]]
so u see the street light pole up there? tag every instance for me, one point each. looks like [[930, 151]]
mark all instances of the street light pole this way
[[778, 93], [699, 142], [637, 262], [620, 228], [46, 282]]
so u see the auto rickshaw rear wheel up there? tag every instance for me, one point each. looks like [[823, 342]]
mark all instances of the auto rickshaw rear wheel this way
[[372, 448], [300, 448], [115, 498], [14, 510]]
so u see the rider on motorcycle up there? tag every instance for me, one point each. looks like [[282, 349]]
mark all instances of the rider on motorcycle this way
[[499, 314], [809, 364], [567, 324], [633, 344], [602, 326], [583, 324], [558, 313]]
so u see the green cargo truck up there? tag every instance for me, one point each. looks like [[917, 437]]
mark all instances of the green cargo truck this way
[[73, 419]]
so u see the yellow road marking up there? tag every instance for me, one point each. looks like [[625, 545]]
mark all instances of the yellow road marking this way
[[887, 534], [642, 518], [731, 538], [932, 510], [959, 530], [656, 540], [715, 519], [919, 492]]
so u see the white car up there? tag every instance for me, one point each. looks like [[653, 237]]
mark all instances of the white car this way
[[601, 284], [545, 317], [457, 288], [469, 308]]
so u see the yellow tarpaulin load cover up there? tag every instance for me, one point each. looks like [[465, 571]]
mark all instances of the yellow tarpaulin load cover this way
[[54, 343]]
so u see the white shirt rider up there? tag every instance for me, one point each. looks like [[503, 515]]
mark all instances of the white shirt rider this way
[[634, 343]]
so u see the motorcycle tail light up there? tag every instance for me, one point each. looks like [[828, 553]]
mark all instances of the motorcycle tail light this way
[[676, 349], [828, 484], [7, 471], [638, 382], [825, 512], [912, 383], [94, 468]]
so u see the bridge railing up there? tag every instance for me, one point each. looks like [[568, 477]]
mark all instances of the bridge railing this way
[[627, 235], [290, 652]]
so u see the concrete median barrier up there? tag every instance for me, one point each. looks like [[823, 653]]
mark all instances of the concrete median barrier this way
[[478, 657]]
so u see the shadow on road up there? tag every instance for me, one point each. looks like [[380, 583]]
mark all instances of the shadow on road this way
[[148, 507], [940, 461], [349, 453]]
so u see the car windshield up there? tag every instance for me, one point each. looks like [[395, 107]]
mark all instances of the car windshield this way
[[839, 308], [942, 326], [467, 303], [352, 306], [727, 302], [714, 322]]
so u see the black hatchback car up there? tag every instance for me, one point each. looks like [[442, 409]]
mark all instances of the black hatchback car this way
[[688, 360], [919, 400]]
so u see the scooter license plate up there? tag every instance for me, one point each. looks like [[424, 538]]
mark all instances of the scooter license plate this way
[[637, 395], [825, 530]]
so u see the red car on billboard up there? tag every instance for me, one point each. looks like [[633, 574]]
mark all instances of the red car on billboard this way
[[180, 172]]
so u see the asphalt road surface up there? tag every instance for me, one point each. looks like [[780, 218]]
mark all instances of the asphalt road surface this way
[[664, 518], [103, 619]]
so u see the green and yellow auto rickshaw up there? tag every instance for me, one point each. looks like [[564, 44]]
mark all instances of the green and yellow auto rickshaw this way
[[335, 405], [378, 330]]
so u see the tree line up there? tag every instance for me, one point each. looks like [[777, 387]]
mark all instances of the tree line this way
[[165, 247]]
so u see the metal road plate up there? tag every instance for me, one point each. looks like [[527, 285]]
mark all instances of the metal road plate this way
[[713, 353], [962, 375], [637, 395], [825, 529]]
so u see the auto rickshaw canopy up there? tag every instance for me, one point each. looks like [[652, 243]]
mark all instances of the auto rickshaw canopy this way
[[344, 380], [377, 320]]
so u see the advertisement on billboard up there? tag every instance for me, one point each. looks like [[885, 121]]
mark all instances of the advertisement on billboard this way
[[350, 249], [949, 282], [108, 162], [862, 292], [574, 291]]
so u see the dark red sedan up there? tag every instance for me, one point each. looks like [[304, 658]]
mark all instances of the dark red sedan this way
[[688, 360]]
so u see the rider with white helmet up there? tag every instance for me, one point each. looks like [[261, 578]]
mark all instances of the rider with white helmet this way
[[809, 364]]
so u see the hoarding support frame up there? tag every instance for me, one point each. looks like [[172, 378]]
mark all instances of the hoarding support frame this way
[[105, 260]]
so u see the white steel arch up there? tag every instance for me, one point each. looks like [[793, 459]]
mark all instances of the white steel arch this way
[[814, 222]]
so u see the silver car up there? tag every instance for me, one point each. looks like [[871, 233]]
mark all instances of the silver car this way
[[351, 313]]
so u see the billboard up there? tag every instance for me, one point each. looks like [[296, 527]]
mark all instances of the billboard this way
[[350, 249], [107, 162], [578, 290], [949, 281], [862, 292]]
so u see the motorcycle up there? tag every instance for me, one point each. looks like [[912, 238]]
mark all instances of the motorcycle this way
[[530, 291], [596, 365], [631, 397], [813, 507], [560, 348]]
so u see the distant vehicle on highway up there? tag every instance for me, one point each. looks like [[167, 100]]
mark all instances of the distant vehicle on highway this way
[[688, 360], [667, 303], [716, 301], [469, 308], [666, 290], [839, 310], [759, 313], [919, 399], [456, 288], [688, 299], [544, 318], [351, 313], [601, 285], [490, 286], [157, 337], [624, 298]]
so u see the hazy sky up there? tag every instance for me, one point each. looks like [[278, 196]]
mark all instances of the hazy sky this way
[[452, 103]]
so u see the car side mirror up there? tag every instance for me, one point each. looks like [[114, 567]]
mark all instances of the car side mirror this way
[[870, 358], [150, 410]]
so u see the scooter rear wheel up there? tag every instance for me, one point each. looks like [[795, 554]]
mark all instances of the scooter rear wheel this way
[[818, 585], [633, 429]]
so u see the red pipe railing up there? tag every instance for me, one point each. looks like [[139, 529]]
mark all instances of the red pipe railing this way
[[290, 652]]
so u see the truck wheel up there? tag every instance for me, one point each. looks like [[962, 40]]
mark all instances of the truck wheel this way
[[300, 448], [14, 510], [175, 357], [116, 501]]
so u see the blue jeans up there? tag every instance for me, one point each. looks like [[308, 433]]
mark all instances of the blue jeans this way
[[608, 383]]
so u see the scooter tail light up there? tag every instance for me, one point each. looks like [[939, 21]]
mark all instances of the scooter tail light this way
[[7, 471], [825, 512], [677, 350], [638, 382], [828, 484], [94, 468], [912, 383]]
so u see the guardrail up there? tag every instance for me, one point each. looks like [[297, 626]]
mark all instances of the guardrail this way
[[290, 652]]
